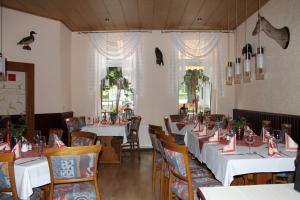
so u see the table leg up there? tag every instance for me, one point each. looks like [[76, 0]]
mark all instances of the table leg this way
[[111, 150]]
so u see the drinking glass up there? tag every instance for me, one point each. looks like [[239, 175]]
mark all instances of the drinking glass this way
[[41, 145], [277, 135]]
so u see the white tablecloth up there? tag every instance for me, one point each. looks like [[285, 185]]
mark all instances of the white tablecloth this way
[[225, 167], [30, 175], [251, 192], [183, 131], [112, 130]]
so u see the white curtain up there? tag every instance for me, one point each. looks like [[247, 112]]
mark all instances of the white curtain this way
[[117, 50], [196, 48]]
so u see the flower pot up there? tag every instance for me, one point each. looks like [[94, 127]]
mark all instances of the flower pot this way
[[113, 117]]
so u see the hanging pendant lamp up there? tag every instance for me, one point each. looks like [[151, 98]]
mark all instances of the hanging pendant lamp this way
[[237, 66], [229, 67], [260, 56], [248, 54]]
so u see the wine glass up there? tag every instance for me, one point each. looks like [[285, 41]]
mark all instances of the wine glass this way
[[38, 134], [42, 144], [249, 140], [277, 135]]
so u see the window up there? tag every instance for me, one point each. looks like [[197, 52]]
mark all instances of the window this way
[[195, 89], [116, 91]]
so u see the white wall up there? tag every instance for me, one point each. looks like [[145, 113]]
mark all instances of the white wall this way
[[50, 53], [279, 92], [157, 101]]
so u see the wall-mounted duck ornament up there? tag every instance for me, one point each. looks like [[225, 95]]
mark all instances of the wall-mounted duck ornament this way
[[27, 40], [159, 57]]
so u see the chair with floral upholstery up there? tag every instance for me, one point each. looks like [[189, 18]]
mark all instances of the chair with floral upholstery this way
[[54, 131], [81, 121], [182, 183], [72, 125], [82, 138], [7, 179], [156, 157], [73, 172]]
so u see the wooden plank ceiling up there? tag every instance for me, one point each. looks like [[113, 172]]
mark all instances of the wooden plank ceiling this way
[[110, 15]]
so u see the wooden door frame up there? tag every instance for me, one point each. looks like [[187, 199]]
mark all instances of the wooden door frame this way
[[28, 68]]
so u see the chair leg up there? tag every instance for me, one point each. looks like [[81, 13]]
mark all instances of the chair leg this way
[[162, 181], [153, 170], [169, 186], [138, 148]]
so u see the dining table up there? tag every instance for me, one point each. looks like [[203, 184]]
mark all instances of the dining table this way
[[250, 192], [245, 160], [111, 136], [30, 172]]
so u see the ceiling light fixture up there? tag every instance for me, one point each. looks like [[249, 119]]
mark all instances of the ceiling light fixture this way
[[248, 54], [229, 67], [259, 68], [237, 67]]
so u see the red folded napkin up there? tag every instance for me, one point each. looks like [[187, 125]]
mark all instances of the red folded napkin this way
[[230, 147], [290, 144], [17, 150], [180, 125], [273, 151], [266, 135]]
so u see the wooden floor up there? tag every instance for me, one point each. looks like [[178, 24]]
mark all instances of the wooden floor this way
[[131, 180]]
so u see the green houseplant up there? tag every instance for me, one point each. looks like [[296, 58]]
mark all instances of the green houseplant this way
[[239, 127]]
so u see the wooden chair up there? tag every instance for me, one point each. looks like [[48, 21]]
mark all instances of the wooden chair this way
[[167, 124], [72, 125], [54, 131], [177, 118], [156, 156], [7, 177], [184, 186], [81, 121], [152, 128], [133, 136], [216, 117], [82, 138], [164, 175], [73, 172]]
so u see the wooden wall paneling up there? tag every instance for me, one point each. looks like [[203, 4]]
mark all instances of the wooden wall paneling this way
[[177, 8], [146, 9], [256, 117], [52, 120], [116, 13], [160, 15], [131, 13], [191, 13]]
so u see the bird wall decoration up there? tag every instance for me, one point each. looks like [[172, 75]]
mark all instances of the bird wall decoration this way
[[159, 57], [27, 40]]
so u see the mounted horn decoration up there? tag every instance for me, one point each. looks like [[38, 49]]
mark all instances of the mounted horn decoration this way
[[281, 36]]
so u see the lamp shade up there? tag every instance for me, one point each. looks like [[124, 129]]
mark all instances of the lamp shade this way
[[237, 71], [260, 64], [247, 68], [229, 73]]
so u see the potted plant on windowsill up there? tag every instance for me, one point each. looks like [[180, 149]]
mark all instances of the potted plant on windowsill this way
[[16, 132], [113, 114], [239, 127]]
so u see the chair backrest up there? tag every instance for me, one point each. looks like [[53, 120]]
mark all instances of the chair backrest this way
[[73, 165], [177, 158], [135, 124], [81, 121], [7, 177], [167, 124], [217, 117], [54, 131], [128, 112], [82, 138], [152, 128], [177, 118], [72, 125]]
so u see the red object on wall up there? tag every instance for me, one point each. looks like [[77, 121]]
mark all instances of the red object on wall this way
[[11, 77]]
